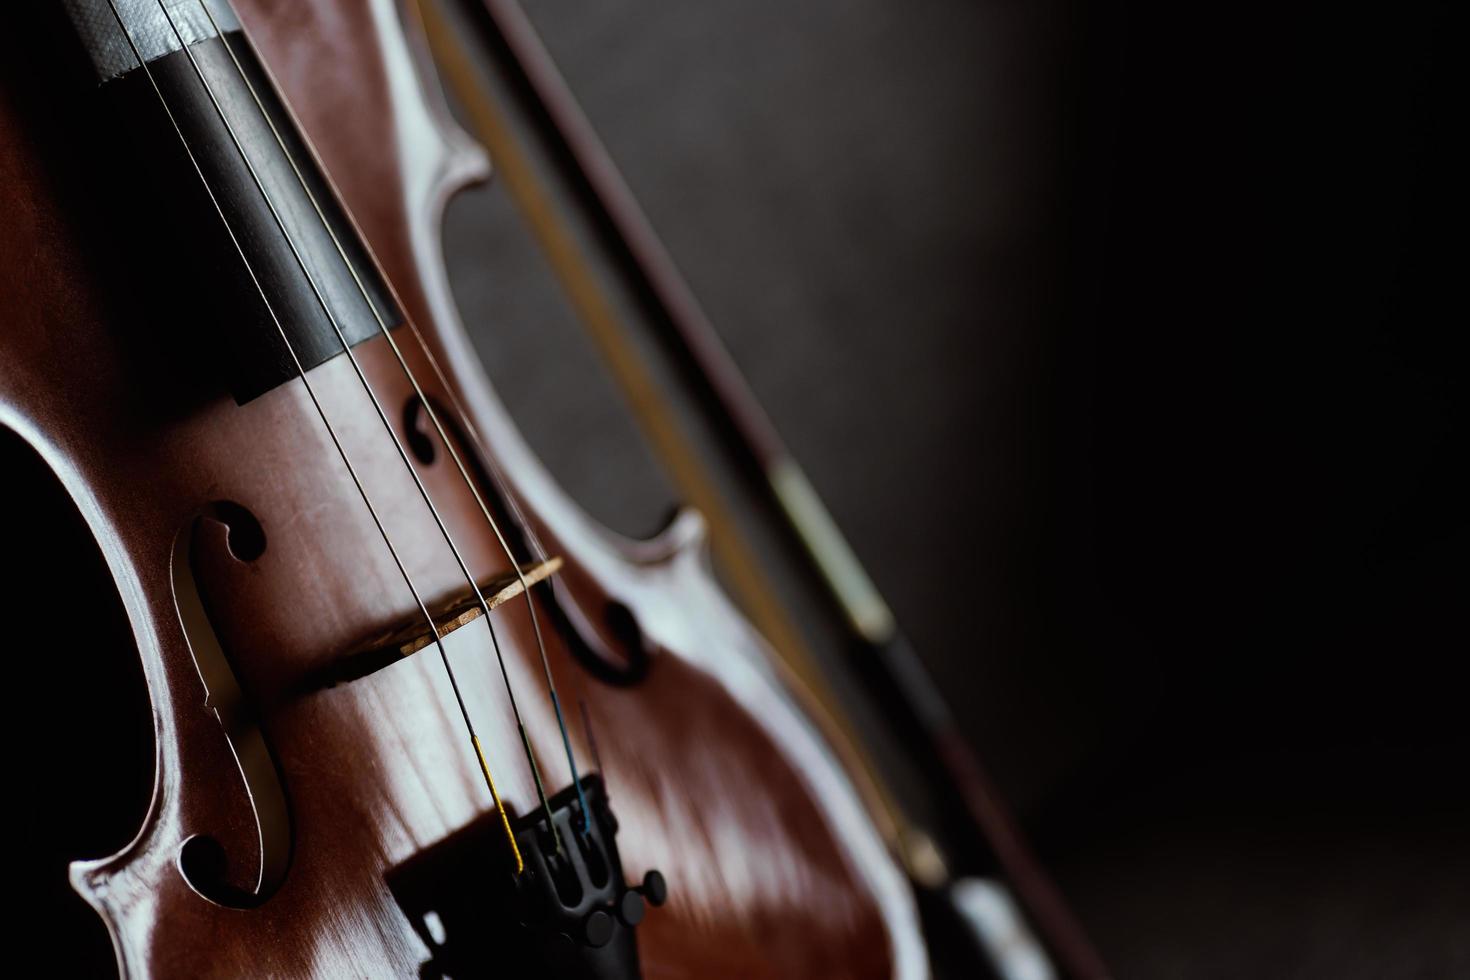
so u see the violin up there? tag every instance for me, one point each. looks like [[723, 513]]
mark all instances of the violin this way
[[414, 713]]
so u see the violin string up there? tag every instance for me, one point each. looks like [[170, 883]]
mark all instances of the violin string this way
[[592, 744], [418, 9], [331, 431], [378, 408], [533, 541], [423, 401], [471, 431]]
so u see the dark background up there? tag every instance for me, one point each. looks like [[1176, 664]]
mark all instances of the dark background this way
[[1123, 342]]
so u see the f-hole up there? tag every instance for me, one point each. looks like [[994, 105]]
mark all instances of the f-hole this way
[[629, 663], [202, 860]]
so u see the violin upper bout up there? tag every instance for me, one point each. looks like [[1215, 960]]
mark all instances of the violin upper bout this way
[[425, 122]]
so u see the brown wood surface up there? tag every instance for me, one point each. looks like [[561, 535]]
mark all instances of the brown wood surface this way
[[774, 868]]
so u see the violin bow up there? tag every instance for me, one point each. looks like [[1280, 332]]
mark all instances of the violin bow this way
[[891, 671]]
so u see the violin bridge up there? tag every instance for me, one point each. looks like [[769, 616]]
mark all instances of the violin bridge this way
[[465, 609], [449, 615]]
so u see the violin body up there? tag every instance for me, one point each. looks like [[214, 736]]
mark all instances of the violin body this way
[[322, 790]]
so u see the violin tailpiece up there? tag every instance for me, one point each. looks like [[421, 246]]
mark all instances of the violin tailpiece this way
[[570, 912]]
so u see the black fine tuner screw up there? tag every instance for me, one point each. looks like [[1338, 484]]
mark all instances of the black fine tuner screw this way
[[631, 908], [597, 928], [655, 889]]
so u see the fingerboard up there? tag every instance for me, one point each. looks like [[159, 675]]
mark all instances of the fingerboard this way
[[296, 285]]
